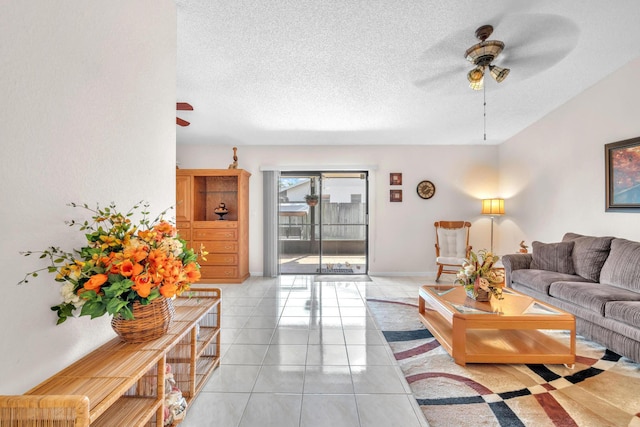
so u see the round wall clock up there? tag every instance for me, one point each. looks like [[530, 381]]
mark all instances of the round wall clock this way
[[426, 189]]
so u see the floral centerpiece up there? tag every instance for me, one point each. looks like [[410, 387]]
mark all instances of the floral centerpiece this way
[[121, 264], [478, 276]]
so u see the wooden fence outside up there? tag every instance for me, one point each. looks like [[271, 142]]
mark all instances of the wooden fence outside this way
[[341, 221]]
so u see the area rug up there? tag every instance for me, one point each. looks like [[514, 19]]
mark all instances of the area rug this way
[[602, 389]]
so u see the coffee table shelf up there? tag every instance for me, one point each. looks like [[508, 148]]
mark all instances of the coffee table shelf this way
[[513, 330]]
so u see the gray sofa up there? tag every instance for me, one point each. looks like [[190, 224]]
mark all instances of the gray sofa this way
[[597, 279]]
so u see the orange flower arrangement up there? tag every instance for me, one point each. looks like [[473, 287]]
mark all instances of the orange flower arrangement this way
[[122, 263]]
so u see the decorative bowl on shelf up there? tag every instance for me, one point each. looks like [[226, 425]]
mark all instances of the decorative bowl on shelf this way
[[221, 211]]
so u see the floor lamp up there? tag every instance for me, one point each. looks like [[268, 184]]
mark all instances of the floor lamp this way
[[492, 207]]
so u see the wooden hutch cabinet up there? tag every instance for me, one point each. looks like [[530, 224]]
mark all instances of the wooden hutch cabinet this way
[[198, 193]]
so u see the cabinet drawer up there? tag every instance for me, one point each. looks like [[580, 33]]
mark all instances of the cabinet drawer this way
[[217, 247], [218, 272], [220, 259], [215, 234], [215, 224]]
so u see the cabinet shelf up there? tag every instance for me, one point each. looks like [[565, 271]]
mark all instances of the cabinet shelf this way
[[218, 191]]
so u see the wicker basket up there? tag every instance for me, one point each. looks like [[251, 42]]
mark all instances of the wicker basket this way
[[150, 321], [481, 294]]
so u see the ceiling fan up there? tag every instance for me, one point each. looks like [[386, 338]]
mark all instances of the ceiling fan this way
[[183, 106], [482, 55]]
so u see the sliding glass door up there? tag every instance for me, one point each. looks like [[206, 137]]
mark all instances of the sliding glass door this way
[[323, 223]]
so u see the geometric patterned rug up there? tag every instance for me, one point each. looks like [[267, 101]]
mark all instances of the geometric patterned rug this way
[[602, 389]]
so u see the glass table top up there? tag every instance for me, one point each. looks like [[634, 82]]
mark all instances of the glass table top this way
[[512, 304]]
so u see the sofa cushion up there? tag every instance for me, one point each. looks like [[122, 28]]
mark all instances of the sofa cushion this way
[[589, 254], [624, 311], [622, 267], [592, 296], [540, 280], [553, 257]]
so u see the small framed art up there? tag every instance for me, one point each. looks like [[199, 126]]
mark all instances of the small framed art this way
[[395, 195], [395, 178], [622, 176]]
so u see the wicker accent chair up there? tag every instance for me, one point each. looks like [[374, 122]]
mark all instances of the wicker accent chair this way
[[452, 246]]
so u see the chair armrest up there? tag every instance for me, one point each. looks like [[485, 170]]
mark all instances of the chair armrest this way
[[513, 262], [43, 410]]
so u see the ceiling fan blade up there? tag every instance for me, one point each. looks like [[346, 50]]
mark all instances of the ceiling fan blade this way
[[181, 122], [184, 106]]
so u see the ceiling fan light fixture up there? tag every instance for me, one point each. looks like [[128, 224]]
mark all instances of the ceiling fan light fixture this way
[[484, 52], [499, 73], [477, 85], [476, 75]]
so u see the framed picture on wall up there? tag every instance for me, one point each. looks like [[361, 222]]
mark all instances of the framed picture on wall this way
[[395, 178], [395, 195], [622, 176]]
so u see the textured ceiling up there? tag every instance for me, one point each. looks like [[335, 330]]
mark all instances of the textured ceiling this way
[[308, 72]]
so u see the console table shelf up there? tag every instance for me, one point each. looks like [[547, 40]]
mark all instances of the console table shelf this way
[[124, 384]]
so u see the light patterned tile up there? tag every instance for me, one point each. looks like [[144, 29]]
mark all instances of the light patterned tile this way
[[225, 408], [376, 379], [334, 410], [369, 355], [328, 380], [364, 337], [280, 379], [384, 410], [286, 354], [233, 378], [244, 354], [329, 354], [254, 336], [260, 384], [326, 336], [270, 409]]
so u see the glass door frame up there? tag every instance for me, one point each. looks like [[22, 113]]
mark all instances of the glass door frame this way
[[316, 185]]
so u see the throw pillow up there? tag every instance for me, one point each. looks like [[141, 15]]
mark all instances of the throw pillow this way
[[622, 266], [589, 254], [553, 257]]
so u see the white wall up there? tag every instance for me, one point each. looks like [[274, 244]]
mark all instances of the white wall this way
[[552, 174], [88, 92], [402, 235]]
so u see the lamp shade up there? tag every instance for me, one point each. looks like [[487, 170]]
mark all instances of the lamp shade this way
[[498, 73], [476, 78], [477, 85], [476, 74], [493, 207]]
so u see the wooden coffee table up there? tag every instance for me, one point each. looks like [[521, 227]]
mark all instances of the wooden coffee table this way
[[510, 330]]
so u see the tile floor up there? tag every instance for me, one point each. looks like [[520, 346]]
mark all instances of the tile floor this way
[[301, 353]]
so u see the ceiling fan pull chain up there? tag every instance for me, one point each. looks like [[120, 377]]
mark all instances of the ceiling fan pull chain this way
[[484, 105]]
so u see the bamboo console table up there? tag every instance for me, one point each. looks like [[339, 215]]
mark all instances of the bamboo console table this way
[[122, 384]]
